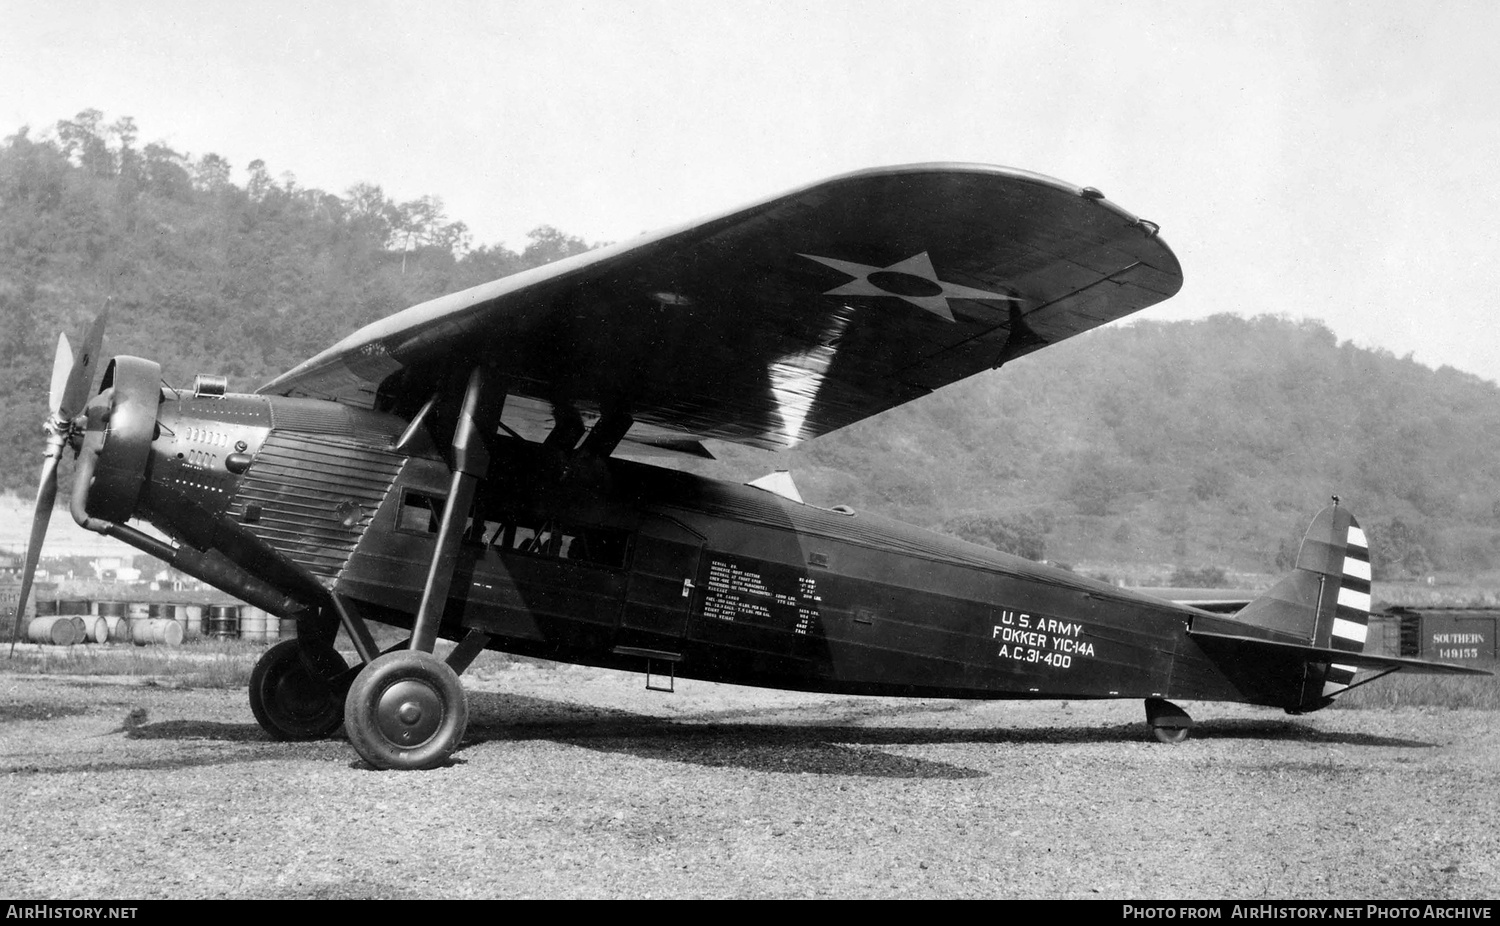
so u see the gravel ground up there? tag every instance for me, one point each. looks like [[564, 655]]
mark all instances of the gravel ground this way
[[575, 782]]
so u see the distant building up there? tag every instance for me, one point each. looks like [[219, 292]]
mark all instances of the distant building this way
[[10, 593], [115, 568]]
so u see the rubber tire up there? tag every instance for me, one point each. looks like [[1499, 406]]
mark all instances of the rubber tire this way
[[290, 694], [1170, 735], [406, 681]]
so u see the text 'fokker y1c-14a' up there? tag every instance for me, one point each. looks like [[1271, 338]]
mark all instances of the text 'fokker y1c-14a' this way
[[456, 470]]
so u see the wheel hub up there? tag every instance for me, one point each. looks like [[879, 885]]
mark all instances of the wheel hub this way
[[409, 712], [296, 695], [406, 710], [291, 700]]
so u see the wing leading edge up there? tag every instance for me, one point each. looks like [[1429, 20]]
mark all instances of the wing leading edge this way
[[779, 321]]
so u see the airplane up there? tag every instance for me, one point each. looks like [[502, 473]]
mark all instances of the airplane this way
[[474, 469]]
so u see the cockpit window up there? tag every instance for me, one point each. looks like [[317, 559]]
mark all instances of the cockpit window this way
[[420, 512]]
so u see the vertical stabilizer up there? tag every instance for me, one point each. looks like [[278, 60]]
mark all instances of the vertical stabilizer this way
[[1325, 602]]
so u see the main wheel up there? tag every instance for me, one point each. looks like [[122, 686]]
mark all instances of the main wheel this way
[[290, 693], [406, 710]]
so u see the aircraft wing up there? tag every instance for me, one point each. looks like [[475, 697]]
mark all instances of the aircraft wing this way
[[778, 321]]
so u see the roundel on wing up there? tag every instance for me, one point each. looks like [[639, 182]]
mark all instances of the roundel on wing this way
[[913, 280]]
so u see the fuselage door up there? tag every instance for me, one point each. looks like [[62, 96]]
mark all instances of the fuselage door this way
[[661, 592]]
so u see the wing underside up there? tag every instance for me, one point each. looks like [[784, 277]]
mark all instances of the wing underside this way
[[779, 321]]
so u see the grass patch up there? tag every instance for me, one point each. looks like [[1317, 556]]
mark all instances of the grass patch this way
[[197, 664], [201, 663], [1469, 692]]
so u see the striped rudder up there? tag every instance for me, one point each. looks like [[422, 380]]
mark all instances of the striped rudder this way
[[1348, 624]]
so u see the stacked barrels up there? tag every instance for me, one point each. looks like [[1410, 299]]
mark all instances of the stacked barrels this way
[[192, 620], [64, 623], [70, 622], [258, 625], [223, 621], [51, 626], [157, 625], [116, 617], [90, 628]]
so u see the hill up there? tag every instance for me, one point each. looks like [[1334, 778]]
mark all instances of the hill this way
[[1187, 445], [1133, 452], [204, 275]]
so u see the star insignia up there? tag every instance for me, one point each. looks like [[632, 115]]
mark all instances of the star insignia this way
[[913, 280]]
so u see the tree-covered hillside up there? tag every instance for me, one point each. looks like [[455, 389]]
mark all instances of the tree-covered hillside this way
[[1199, 445], [205, 275], [1207, 443]]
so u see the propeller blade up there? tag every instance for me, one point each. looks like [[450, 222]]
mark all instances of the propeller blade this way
[[46, 494], [62, 370], [81, 379]]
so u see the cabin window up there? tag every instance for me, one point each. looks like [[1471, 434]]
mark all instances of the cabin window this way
[[422, 513], [486, 533], [553, 539]]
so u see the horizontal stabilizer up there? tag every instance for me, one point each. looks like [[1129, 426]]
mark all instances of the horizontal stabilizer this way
[[1217, 600], [668, 447], [780, 483], [1341, 657]]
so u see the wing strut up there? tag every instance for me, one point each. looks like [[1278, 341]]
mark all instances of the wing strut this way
[[480, 416]]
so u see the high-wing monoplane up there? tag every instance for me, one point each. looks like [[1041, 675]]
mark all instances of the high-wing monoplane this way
[[459, 470]]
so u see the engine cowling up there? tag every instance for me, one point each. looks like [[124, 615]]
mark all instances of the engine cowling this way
[[120, 426]]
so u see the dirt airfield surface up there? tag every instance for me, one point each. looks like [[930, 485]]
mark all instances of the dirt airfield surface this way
[[578, 783]]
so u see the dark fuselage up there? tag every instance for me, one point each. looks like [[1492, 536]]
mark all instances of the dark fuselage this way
[[614, 563]]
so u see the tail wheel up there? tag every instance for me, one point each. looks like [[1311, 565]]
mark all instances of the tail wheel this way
[[406, 710], [1169, 723], [1170, 735], [291, 691]]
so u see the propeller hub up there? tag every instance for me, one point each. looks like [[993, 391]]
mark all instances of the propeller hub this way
[[121, 423], [61, 432]]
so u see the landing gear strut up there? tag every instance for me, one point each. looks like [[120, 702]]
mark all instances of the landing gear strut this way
[[407, 709], [1169, 723], [404, 709]]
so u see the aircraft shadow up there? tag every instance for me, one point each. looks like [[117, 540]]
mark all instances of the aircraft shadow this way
[[135, 726], [12, 713], [773, 743], [196, 730], [1296, 731], [754, 739]]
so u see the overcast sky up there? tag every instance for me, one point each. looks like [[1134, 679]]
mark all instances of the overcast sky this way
[[1323, 159]]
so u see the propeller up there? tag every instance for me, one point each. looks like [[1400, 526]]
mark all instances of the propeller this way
[[71, 378]]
